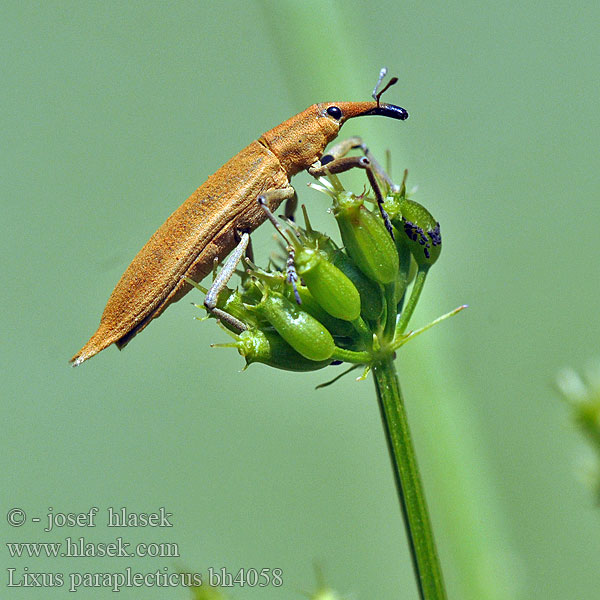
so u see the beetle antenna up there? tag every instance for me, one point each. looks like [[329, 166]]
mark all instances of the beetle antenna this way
[[391, 82], [382, 74], [377, 94]]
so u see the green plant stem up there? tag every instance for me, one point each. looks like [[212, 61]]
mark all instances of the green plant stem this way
[[412, 301], [363, 330], [350, 356], [391, 303], [408, 482]]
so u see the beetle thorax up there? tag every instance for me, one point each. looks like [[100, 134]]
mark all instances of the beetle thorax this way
[[300, 141]]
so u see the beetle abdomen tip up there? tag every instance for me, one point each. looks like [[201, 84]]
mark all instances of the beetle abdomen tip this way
[[98, 342]]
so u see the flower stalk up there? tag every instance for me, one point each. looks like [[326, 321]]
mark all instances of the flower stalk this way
[[327, 305], [424, 555]]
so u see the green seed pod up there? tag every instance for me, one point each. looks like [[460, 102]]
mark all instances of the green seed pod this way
[[337, 327], [269, 348], [366, 239], [421, 233], [299, 329], [327, 284], [371, 294]]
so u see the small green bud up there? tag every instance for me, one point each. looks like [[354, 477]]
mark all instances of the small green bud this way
[[298, 328], [371, 294], [234, 303], [366, 239], [421, 232], [269, 348], [327, 284], [252, 291]]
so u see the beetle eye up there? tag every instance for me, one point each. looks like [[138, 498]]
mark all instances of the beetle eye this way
[[335, 112]]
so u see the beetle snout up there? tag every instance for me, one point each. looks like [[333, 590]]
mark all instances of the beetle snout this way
[[363, 109], [389, 110]]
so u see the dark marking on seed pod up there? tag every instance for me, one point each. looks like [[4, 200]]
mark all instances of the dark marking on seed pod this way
[[435, 235], [416, 234], [409, 229]]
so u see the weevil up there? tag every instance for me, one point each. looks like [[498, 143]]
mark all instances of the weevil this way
[[219, 216]]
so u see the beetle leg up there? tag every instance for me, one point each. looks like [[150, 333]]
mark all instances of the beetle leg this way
[[250, 251], [342, 148], [340, 165], [278, 195], [291, 275], [244, 247], [290, 207], [218, 285], [381, 172]]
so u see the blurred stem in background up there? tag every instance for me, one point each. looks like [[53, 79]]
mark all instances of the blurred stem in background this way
[[583, 397], [470, 530]]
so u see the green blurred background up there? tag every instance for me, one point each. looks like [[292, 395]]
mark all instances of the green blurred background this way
[[113, 113]]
